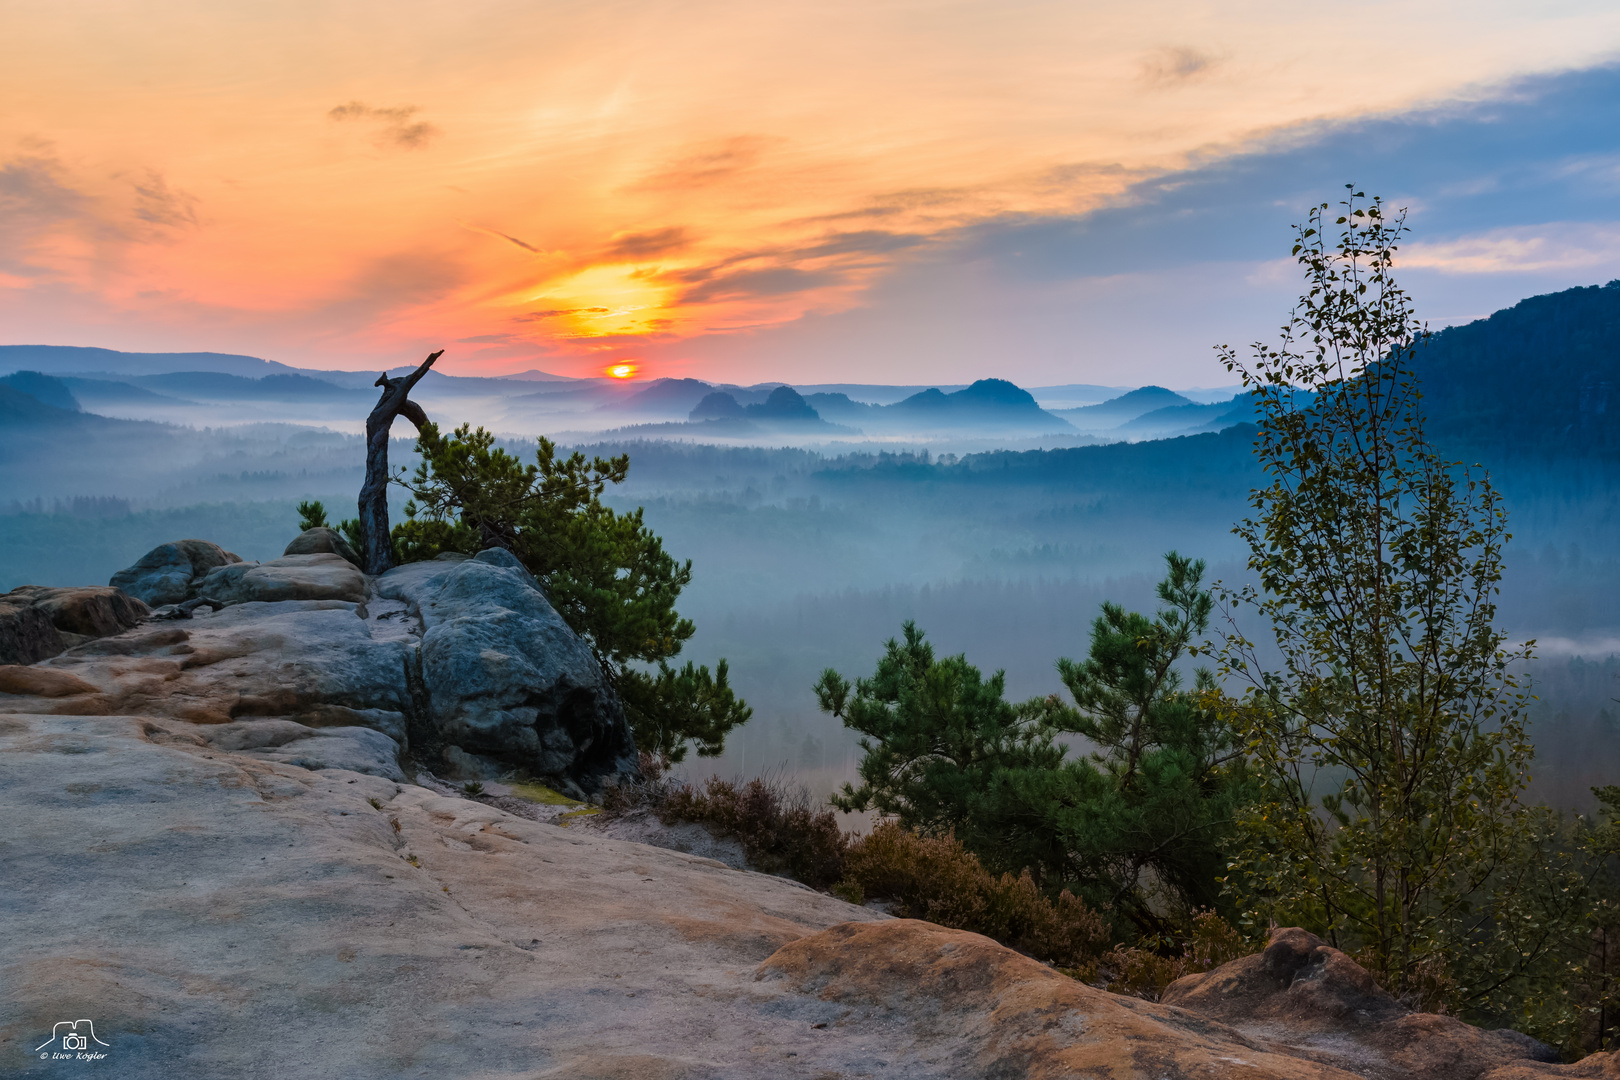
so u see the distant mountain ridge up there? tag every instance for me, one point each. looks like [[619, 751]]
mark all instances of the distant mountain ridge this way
[[1540, 375], [80, 360]]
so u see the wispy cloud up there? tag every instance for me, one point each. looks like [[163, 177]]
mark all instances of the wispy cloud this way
[[1521, 249], [709, 163], [646, 245], [1174, 65], [156, 203], [559, 313], [508, 237], [768, 281], [397, 125]]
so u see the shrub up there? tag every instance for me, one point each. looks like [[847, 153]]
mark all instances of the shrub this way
[[1143, 972], [781, 831], [939, 880]]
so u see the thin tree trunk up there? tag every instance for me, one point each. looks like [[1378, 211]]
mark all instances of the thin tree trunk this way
[[376, 545]]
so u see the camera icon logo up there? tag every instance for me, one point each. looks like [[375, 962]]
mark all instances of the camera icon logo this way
[[71, 1035]]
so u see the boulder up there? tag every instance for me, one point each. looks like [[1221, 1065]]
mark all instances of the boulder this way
[[507, 683], [322, 541], [92, 611], [315, 662], [26, 634], [1318, 995], [293, 577], [169, 573]]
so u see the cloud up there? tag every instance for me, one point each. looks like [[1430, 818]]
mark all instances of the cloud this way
[[487, 231], [385, 285], [34, 196], [558, 313], [644, 245], [396, 124], [768, 281], [1521, 249], [709, 163], [1174, 65], [156, 203], [863, 242]]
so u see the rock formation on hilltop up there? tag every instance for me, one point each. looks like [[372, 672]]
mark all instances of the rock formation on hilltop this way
[[462, 662]]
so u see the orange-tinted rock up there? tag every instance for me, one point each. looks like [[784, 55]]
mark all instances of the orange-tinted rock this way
[[90, 611], [1319, 996], [984, 1010], [42, 682]]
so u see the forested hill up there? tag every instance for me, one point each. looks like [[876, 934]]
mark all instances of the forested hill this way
[[1539, 376]]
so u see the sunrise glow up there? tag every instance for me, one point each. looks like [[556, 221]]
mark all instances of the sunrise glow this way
[[717, 183], [621, 371]]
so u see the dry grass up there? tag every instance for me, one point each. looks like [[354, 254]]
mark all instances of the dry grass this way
[[784, 831]]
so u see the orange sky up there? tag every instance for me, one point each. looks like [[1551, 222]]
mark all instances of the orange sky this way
[[573, 185]]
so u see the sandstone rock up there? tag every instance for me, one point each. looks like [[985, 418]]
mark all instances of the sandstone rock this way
[[292, 577], [219, 914], [356, 749], [321, 540], [92, 611], [26, 634], [316, 662], [167, 573], [1318, 994], [508, 684], [462, 660], [42, 682], [983, 1010]]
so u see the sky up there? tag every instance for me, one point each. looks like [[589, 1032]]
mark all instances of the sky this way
[[899, 192]]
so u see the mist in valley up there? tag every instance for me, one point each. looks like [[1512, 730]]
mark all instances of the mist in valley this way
[[810, 556]]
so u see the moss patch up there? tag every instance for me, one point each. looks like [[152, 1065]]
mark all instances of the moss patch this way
[[539, 793], [583, 811]]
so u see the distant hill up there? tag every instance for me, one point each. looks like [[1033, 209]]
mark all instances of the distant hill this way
[[94, 392], [19, 410], [783, 405], [44, 389], [986, 405], [1540, 376], [218, 386], [672, 397], [783, 409], [74, 360], [1176, 420], [718, 405], [1116, 411]]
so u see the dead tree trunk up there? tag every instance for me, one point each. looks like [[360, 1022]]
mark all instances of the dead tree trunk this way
[[376, 546]]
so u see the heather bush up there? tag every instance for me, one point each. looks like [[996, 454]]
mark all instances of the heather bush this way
[[939, 880], [781, 831]]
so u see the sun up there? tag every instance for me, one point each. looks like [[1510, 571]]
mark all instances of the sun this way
[[622, 371]]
